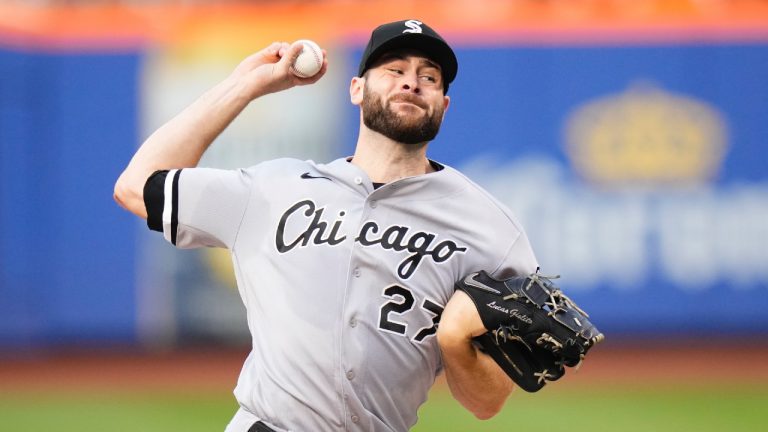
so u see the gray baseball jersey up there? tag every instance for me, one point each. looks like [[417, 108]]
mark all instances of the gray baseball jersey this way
[[343, 284]]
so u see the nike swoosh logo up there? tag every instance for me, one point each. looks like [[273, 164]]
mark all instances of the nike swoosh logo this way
[[470, 280], [307, 175]]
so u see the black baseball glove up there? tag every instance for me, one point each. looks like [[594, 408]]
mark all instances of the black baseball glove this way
[[534, 330]]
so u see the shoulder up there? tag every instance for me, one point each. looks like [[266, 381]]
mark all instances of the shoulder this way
[[478, 198]]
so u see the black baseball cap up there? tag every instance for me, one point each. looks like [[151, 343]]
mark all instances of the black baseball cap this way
[[410, 34]]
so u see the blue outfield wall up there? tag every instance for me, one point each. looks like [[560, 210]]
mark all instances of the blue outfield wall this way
[[517, 103], [68, 124]]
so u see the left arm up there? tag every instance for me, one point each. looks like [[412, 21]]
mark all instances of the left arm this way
[[475, 380]]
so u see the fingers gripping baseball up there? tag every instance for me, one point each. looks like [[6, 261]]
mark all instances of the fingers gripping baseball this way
[[269, 70], [288, 56]]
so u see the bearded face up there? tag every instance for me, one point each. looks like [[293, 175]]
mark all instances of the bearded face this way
[[379, 116]]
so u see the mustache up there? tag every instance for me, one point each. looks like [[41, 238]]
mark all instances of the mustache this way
[[410, 98]]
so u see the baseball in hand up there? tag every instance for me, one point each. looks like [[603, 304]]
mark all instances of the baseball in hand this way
[[309, 62]]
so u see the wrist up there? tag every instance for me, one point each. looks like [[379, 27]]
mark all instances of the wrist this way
[[244, 87]]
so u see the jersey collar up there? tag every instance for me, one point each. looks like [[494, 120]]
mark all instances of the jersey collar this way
[[429, 186]]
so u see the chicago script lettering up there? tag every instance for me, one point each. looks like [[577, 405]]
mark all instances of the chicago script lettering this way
[[397, 238]]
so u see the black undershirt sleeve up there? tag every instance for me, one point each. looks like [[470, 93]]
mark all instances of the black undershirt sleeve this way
[[154, 199]]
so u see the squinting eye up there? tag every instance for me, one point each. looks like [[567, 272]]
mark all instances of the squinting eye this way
[[429, 78], [397, 71]]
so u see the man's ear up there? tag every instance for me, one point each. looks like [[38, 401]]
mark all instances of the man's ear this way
[[356, 90], [447, 100]]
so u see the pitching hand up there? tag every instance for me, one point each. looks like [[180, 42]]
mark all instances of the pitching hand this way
[[268, 71]]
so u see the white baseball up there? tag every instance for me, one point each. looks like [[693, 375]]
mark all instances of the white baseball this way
[[309, 62]]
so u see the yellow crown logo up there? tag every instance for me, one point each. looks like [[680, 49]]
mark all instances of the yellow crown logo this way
[[646, 135]]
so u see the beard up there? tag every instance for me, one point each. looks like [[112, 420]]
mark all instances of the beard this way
[[379, 117]]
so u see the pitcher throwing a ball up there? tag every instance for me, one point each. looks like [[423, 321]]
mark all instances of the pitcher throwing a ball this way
[[347, 267]]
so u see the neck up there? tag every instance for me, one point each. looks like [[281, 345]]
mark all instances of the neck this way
[[385, 160]]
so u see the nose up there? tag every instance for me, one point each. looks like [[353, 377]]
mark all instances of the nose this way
[[410, 82]]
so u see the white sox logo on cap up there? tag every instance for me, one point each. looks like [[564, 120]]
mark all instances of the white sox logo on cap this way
[[413, 26]]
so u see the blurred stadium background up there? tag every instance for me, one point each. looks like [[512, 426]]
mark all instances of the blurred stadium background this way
[[628, 136]]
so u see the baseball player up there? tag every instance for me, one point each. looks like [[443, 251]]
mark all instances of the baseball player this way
[[345, 268]]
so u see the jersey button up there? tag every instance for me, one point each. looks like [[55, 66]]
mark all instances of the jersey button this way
[[351, 375], [352, 323], [355, 419], [373, 204], [356, 272], [358, 180]]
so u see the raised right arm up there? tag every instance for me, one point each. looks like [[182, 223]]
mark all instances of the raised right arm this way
[[181, 142]]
